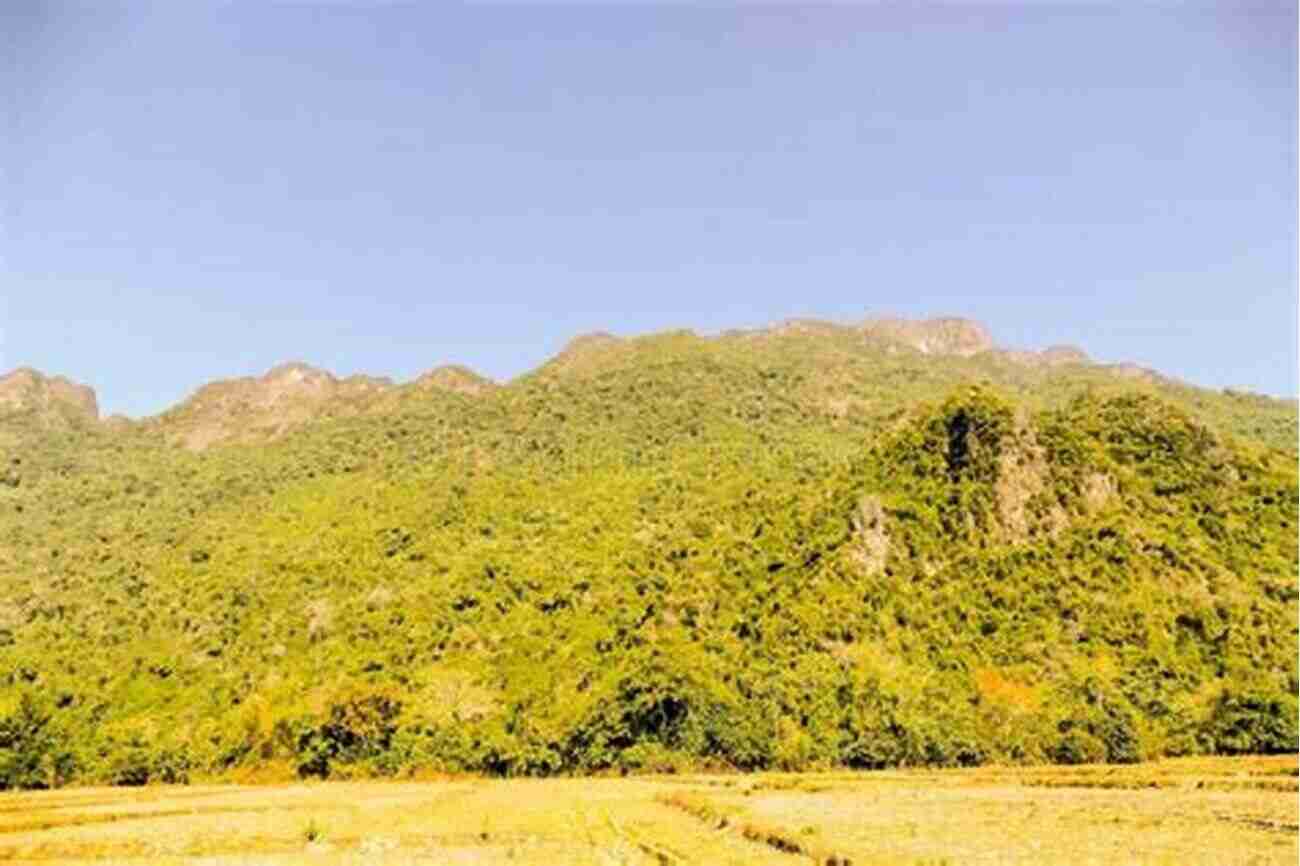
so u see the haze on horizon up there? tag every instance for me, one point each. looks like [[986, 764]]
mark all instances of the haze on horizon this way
[[201, 193]]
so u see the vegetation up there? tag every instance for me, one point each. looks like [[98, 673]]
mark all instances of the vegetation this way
[[786, 550]]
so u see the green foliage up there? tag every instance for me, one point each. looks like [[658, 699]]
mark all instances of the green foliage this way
[[655, 555], [28, 748], [1254, 722], [352, 728]]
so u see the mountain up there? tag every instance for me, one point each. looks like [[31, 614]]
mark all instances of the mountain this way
[[47, 400], [289, 397], [812, 544], [284, 398], [930, 354], [453, 377]]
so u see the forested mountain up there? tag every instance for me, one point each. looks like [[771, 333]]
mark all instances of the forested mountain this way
[[803, 546]]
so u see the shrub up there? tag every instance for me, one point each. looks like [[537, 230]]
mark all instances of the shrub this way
[[355, 727], [1253, 721], [651, 757], [1078, 746], [131, 769], [27, 747]]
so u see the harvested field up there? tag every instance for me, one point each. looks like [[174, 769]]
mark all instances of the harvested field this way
[[1196, 811]]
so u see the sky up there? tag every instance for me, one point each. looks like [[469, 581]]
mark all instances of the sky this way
[[197, 191]]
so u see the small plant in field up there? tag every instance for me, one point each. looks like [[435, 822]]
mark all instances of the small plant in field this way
[[314, 832]]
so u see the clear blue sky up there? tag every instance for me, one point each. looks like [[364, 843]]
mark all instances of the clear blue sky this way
[[198, 191]]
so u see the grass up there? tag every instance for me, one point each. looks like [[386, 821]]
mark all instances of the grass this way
[[1185, 811]]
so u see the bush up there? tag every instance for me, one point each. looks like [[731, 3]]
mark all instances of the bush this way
[[1077, 746], [1116, 730], [356, 727], [651, 758], [131, 769], [27, 748], [1253, 722]]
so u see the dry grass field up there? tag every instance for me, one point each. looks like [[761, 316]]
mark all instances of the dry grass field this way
[[1196, 811]]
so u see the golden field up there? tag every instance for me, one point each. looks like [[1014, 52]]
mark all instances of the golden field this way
[[1187, 811]]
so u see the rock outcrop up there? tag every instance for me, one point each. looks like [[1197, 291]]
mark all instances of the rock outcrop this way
[[50, 399], [579, 351], [265, 407], [963, 338], [455, 378], [939, 336], [1054, 355]]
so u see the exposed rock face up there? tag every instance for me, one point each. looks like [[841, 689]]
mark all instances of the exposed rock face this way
[[812, 327], [49, 397], [941, 336], [117, 423], [581, 349], [1053, 355], [587, 342], [285, 398], [1133, 371], [870, 536], [1098, 489], [964, 338], [367, 383], [1022, 479], [454, 377]]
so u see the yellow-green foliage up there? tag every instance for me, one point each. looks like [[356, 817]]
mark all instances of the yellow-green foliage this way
[[748, 552]]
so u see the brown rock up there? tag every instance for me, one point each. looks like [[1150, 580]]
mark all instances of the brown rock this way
[[582, 349], [454, 377], [939, 336], [870, 535], [285, 398], [49, 397], [1053, 355]]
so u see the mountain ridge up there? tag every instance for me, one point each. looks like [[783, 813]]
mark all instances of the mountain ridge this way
[[799, 547], [301, 391]]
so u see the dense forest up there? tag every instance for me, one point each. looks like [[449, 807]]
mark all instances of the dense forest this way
[[802, 547]]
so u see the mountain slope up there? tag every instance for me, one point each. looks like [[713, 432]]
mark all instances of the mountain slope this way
[[46, 400], [810, 545]]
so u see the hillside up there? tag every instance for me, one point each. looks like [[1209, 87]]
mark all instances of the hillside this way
[[804, 546]]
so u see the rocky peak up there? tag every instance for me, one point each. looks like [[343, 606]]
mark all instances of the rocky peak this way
[[260, 407], [454, 377], [804, 326], [28, 390], [938, 336], [1053, 355], [362, 382], [1128, 370], [589, 342], [581, 349], [118, 423], [283, 381], [297, 373]]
